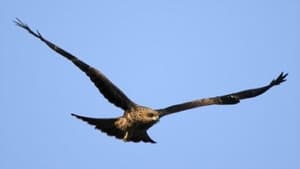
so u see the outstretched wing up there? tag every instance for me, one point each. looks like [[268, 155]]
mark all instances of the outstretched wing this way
[[232, 98], [104, 85]]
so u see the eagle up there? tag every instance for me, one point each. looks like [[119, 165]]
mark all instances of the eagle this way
[[132, 126]]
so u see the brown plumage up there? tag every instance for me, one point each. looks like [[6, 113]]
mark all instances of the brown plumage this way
[[136, 119]]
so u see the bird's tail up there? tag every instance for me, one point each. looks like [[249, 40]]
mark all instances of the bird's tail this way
[[109, 127], [105, 125]]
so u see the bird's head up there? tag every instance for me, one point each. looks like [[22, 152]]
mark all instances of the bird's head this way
[[147, 115], [152, 116]]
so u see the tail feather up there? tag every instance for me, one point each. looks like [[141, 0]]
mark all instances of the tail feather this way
[[142, 136], [105, 125], [108, 126]]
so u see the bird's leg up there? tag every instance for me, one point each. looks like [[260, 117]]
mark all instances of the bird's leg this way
[[125, 138], [128, 135]]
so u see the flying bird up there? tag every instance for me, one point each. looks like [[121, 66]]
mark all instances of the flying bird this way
[[137, 119]]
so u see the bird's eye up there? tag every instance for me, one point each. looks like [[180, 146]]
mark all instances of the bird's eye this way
[[150, 114]]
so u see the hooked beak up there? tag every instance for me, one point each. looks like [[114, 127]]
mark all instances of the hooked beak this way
[[155, 118]]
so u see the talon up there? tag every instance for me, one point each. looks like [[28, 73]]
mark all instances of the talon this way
[[125, 138]]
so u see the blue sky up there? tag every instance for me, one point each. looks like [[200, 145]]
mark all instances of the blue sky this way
[[159, 53]]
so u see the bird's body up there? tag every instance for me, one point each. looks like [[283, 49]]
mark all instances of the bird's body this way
[[137, 119], [132, 126]]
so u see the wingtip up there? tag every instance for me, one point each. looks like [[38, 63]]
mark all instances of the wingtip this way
[[280, 79], [16, 20], [19, 22], [285, 75], [77, 116], [72, 114]]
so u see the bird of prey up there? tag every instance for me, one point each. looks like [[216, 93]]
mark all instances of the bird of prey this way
[[137, 119]]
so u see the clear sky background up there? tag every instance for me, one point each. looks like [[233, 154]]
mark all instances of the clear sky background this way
[[159, 53]]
